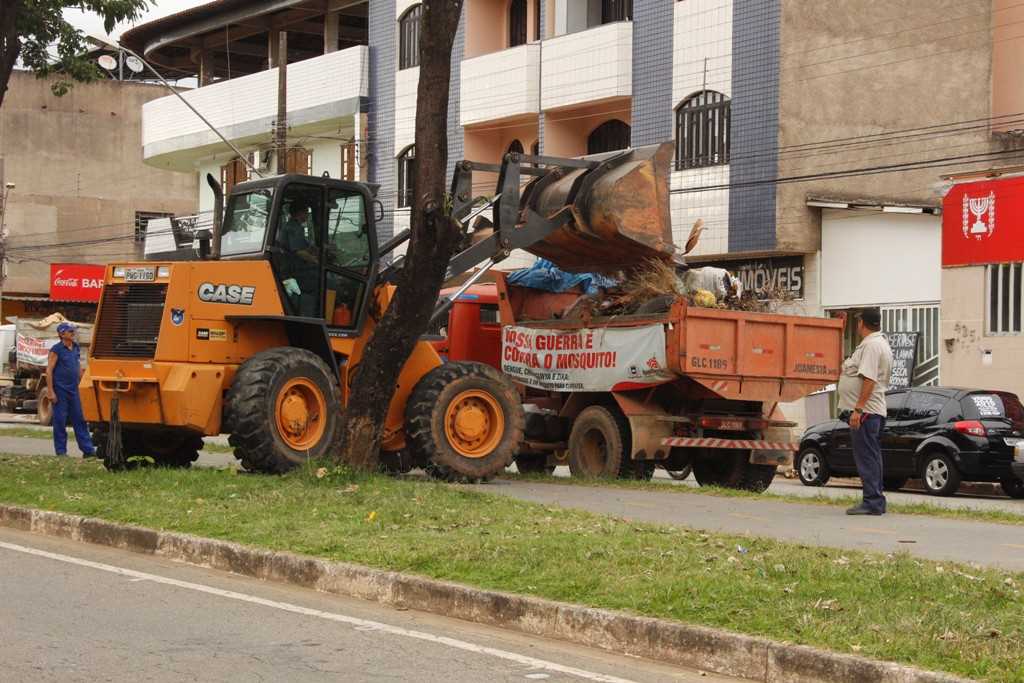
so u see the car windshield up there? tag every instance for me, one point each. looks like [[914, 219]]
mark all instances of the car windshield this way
[[995, 405], [245, 222]]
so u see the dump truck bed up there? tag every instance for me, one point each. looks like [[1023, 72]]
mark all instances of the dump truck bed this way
[[731, 354]]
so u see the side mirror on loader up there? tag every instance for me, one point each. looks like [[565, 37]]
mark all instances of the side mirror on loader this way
[[379, 209]]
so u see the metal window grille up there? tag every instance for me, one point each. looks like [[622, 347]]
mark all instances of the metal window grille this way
[[923, 319], [616, 10], [142, 219], [1004, 285], [702, 130], [517, 23], [409, 38], [406, 175], [608, 137]]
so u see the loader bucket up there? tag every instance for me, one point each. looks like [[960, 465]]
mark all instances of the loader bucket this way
[[620, 211]]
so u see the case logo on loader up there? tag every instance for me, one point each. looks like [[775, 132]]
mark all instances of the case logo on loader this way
[[226, 294]]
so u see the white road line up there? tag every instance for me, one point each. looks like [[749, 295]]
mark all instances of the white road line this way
[[361, 624]]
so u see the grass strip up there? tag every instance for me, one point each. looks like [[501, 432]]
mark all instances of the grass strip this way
[[665, 486], [962, 619], [998, 516]]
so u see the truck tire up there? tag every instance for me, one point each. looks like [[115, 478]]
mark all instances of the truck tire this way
[[44, 406], [599, 443], [464, 422], [283, 408], [732, 469]]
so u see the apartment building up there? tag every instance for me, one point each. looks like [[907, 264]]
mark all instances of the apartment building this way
[[81, 192]]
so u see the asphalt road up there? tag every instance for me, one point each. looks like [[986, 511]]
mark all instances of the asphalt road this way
[[75, 612]]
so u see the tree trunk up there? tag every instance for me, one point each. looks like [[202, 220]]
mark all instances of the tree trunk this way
[[10, 46], [432, 242]]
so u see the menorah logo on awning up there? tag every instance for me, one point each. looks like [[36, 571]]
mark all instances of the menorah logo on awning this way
[[983, 209]]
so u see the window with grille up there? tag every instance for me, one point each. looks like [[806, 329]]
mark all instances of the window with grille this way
[[610, 136], [299, 161], [517, 23], [616, 10], [409, 38], [142, 219], [234, 172], [348, 162], [702, 130], [1005, 298], [406, 176]]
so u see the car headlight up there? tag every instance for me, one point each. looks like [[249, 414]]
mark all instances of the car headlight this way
[[164, 271], [119, 271]]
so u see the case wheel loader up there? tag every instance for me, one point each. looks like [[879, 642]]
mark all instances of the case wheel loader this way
[[260, 337]]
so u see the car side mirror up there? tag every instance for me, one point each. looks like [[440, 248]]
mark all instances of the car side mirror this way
[[378, 209]]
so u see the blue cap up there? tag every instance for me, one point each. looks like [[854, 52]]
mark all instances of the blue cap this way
[[65, 327]]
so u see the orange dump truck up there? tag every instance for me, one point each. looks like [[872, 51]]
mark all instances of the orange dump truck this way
[[678, 386]]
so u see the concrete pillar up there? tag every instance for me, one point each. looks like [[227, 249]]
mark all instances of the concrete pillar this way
[[331, 32], [273, 45]]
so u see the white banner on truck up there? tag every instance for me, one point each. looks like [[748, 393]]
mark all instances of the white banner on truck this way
[[34, 351], [603, 359]]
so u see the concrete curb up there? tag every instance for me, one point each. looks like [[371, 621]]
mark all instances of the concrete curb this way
[[695, 647]]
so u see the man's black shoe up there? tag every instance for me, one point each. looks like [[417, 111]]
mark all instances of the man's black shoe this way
[[861, 510]]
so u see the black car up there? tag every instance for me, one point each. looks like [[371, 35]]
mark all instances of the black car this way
[[940, 435]]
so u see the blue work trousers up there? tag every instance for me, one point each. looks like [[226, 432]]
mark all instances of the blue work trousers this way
[[69, 407], [867, 453]]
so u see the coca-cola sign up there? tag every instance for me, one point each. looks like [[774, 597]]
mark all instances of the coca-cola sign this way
[[76, 281]]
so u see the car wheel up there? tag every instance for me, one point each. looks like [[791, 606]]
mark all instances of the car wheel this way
[[1013, 487], [939, 474], [812, 468]]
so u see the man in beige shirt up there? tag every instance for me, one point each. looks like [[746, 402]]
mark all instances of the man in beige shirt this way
[[862, 387]]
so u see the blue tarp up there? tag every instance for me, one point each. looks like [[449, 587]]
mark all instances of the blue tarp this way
[[545, 275]]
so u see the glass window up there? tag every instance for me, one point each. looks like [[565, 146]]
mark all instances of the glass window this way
[[702, 130], [245, 222], [348, 243], [923, 405], [296, 255], [517, 23], [406, 176], [616, 10], [342, 299], [894, 404], [610, 136], [409, 38]]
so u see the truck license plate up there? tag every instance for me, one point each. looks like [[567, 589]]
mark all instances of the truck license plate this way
[[140, 274]]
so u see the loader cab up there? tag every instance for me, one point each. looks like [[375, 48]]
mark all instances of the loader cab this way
[[320, 237]]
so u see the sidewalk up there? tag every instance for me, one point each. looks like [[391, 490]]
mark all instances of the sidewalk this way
[[984, 543]]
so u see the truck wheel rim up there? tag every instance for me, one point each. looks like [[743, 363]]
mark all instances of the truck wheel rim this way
[[594, 451], [937, 474], [810, 466], [301, 413], [474, 423]]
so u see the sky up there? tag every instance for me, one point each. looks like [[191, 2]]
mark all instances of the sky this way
[[91, 24]]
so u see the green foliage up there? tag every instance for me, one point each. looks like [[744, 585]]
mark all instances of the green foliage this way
[[938, 615], [48, 45]]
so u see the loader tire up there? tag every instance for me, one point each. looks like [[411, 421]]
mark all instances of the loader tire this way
[[178, 449], [283, 408], [464, 422], [732, 469], [599, 444]]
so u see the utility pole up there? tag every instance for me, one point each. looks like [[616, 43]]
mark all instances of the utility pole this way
[[281, 125], [3, 227]]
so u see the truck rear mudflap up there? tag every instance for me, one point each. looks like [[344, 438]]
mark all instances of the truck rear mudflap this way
[[161, 394]]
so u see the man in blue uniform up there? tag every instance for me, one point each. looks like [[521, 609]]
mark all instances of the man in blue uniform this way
[[63, 371]]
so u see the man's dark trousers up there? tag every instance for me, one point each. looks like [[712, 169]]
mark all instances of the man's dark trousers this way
[[68, 407], [867, 453]]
